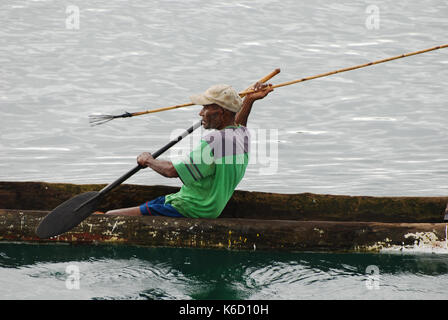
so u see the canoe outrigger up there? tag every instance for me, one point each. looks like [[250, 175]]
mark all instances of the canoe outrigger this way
[[250, 221]]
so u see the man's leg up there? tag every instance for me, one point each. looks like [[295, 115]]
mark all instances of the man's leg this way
[[134, 211], [156, 207]]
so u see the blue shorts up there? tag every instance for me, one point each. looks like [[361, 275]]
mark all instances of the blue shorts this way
[[158, 207]]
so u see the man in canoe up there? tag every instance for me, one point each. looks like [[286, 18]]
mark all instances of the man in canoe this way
[[213, 169]]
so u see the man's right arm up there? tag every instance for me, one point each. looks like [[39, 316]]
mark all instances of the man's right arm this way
[[165, 168], [261, 91]]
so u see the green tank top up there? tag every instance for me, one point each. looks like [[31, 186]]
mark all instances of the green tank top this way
[[211, 173]]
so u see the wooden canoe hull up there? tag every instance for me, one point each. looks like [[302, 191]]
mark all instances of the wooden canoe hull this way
[[251, 220], [228, 233], [244, 204]]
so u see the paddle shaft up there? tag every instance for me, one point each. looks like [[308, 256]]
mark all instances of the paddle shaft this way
[[350, 68], [137, 168]]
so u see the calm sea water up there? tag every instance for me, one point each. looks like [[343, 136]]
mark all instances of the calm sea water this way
[[375, 131], [46, 272]]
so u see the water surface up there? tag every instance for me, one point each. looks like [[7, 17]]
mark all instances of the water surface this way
[[377, 131], [120, 272]]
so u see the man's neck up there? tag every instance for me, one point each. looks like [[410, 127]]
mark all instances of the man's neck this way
[[227, 123]]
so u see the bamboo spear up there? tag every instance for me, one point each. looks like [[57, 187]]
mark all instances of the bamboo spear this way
[[351, 68], [100, 119]]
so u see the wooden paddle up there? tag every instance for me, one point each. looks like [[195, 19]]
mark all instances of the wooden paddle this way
[[100, 119], [73, 211]]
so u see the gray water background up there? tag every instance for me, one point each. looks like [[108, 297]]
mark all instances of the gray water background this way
[[380, 130], [376, 131]]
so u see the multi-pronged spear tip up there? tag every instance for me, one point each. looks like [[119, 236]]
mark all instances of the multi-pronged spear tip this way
[[97, 119]]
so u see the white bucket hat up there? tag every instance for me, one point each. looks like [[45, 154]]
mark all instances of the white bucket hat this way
[[221, 94]]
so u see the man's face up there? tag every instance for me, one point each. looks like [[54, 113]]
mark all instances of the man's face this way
[[211, 116]]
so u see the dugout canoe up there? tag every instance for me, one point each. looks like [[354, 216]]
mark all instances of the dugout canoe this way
[[250, 221]]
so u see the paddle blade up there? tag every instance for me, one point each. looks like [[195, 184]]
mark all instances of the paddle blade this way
[[68, 215]]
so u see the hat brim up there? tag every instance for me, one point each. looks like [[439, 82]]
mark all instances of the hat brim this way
[[200, 99]]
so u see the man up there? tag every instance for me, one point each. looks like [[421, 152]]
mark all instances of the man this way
[[212, 171]]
